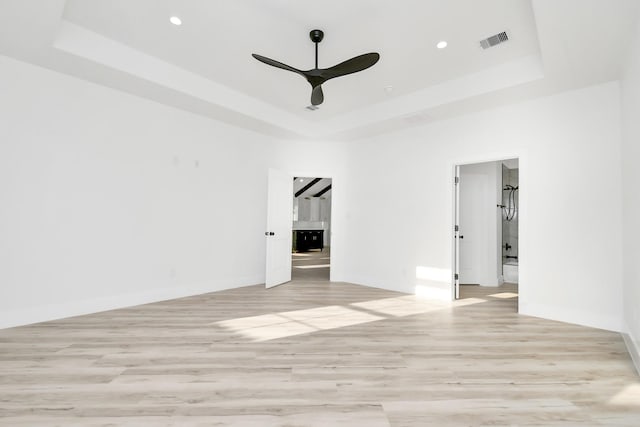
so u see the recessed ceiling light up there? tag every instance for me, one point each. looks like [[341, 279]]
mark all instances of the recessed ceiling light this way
[[175, 20], [301, 180], [442, 44]]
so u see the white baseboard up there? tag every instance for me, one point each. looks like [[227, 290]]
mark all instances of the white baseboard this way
[[373, 283], [568, 315], [634, 349], [27, 316], [428, 289]]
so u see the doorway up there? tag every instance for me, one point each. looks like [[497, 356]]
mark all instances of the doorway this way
[[311, 229], [486, 228]]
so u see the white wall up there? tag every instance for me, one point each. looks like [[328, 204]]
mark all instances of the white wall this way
[[314, 209], [102, 204], [570, 241], [630, 90], [325, 216], [109, 200]]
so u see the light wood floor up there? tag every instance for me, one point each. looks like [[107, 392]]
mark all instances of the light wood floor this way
[[311, 353], [311, 266], [509, 290]]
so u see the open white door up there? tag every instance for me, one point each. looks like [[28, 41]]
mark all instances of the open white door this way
[[473, 237], [456, 233], [279, 224]]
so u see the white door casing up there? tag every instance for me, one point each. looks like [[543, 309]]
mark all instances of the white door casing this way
[[456, 233]]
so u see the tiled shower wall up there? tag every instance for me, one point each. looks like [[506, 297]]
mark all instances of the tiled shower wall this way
[[509, 228]]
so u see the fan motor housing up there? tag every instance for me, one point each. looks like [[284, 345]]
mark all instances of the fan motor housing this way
[[316, 36]]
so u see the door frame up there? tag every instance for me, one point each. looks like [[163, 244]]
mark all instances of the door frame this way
[[455, 248], [323, 174]]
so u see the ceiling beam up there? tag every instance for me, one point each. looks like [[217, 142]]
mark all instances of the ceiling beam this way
[[324, 190], [308, 186]]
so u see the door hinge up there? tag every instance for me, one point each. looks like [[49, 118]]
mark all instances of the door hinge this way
[[457, 179], [455, 276], [457, 228]]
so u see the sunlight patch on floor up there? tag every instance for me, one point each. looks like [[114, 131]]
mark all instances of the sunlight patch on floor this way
[[306, 267], [629, 396], [505, 295], [286, 324], [354, 318], [252, 322], [433, 291], [378, 304], [290, 323], [281, 330], [402, 306], [410, 309], [468, 301], [329, 310]]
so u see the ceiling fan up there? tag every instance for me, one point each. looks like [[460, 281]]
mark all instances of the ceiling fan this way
[[317, 76]]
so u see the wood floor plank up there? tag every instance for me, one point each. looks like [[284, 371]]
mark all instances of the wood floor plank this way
[[314, 353]]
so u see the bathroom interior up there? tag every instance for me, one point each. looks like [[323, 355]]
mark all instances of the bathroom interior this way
[[509, 206]]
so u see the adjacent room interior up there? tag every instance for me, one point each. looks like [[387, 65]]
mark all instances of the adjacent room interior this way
[[243, 213], [486, 231], [311, 240]]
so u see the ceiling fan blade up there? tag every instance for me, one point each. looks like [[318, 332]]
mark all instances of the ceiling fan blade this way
[[353, 65], [276, 64], [317, 97]]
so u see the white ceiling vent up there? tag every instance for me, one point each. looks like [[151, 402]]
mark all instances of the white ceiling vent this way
[[494, 40]]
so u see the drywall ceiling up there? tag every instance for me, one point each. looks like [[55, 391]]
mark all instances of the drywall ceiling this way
[[205, 65], [511, 163], [217, 38]]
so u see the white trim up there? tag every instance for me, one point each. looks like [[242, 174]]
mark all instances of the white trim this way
[[43, 313], [374, 282], [634, 349], [570, 315], [455, 284]]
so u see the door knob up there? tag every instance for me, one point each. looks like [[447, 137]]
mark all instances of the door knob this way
[[271, 233]]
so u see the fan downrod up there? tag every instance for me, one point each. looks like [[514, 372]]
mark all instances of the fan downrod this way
[[316, 36]]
